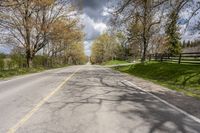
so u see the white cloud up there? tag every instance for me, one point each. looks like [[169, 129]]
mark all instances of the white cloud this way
[[101, 27], [91, 26], [105, 12], [92, 30]]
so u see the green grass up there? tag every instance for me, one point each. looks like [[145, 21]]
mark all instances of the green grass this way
[[181, 77], [21, 71], [15, 72], [114, 62]]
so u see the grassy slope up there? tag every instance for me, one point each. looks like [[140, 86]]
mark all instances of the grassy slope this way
[[16, 72], [114, 62], [180, 77]]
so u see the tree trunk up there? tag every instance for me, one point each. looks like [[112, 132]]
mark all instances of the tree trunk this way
[[30, 62], [29, 59], [145, 23], [144, 53]]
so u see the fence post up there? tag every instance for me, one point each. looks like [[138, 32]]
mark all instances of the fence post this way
[[179, 61]]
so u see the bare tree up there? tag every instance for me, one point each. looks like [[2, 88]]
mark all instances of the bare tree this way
[[27, 23], [143, 15]]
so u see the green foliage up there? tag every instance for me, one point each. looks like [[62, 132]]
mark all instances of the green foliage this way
[[19, 60], [40, 61], [75, 54], [2, 63], [135, 32], [173, 36], [180, 77], [10, 64], [97, 52], [2, 55], [108, 47]]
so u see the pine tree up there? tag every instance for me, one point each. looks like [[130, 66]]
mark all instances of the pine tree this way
[[184, 44], [173, 35], [188, 44]]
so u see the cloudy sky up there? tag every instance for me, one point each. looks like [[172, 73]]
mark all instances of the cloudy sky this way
[[94, 18], [95, 15]]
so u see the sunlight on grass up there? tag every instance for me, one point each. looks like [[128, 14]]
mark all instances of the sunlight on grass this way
[[15, 72], [21, 71], [180, 77]]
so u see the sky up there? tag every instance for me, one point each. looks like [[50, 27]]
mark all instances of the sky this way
[[94, 18]]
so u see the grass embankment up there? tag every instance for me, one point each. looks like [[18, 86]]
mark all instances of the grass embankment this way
[[16, 72], [21, 71], [115, 62], [181, 77]]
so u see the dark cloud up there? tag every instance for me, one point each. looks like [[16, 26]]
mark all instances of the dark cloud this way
[[93, 8], [94, 4]]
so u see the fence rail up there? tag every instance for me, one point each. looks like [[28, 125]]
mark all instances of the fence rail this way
[[191, 58]]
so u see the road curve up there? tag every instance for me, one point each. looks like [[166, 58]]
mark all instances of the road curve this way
[[93, 99]]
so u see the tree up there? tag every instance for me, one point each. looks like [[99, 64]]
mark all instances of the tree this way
[[158, 44], [97, 55], [2, 63], [74, 54], [123, 47], [173, 36], [135, 39], [105, 47], [27, 23], [195, 7], [141, 16], [172, 29], [66, 35], [18, 59], [184, 44]]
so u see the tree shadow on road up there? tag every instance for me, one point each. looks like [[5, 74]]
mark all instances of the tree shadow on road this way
[[97, 87]]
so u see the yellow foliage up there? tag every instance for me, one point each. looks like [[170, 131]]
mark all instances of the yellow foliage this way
[[43, 2]]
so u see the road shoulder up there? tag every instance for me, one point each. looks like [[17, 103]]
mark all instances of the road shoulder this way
[[188, 104]]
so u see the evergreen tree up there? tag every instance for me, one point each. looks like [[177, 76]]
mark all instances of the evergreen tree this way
[[173, 35], [188, 44], [184, 44]]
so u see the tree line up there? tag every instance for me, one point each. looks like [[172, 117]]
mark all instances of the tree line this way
[[188, 44], [44, 32], [148, 27]]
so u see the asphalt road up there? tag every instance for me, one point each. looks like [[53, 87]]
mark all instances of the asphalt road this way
[[85, 99]]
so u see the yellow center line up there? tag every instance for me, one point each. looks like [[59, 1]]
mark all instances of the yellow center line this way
[[37, 107]]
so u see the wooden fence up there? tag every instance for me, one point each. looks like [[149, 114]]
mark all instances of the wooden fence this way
[[191, 58]]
